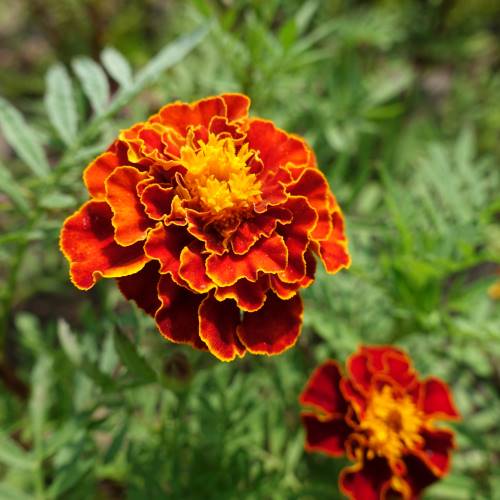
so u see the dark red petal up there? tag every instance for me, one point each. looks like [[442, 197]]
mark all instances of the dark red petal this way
[[218, 324], [273, 328], [275, 146], [98, 171], [359, 372], [237, 106], [367, 481], [283, 290], [326, 435], [192, 268], [177, 318], [87, 241], [418, 475], [141, 287], [354, 396], [323, 389], [436, 400], [266, 256], [157, 200], [436, 450], [297, 237], [129, 219], [165, 244], [249, 296], [399, 368]]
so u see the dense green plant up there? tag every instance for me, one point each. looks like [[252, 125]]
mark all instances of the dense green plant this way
[[94, 404]]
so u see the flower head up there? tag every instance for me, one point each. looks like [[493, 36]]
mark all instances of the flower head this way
[[210, 220], [384, 419]]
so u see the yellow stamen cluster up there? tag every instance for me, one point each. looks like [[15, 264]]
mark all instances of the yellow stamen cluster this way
[[392, 424], [218, 176]]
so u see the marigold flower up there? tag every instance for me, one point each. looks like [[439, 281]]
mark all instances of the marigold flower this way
[[382, 417], [210, 220]]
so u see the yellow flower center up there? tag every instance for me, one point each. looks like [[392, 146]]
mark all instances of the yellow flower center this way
[[392, 425], [218, 176]]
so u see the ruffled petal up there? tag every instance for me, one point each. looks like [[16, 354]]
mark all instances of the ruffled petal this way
[[87, 241], [273, 328], [218, 325], [436, 400], [326, 435], [367, 481], [436, 450], [297, 237], [157, 200], [98, 171], [275, 146], [266, 256], [165, 243], [359, 372], [418, 476], [129, 218], [192, 268], [323, 390], [142, 287], [249, 296], [180, 116], [177, 318], [237, 106]]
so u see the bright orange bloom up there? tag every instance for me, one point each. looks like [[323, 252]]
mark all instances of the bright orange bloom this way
[[382, 417], [210, 221]]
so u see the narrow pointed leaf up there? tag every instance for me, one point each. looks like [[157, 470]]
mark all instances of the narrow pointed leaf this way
[[94, 82], [22, 139], [60, 103], [13, 455], [117, 66], [133, 360], [9, 187]]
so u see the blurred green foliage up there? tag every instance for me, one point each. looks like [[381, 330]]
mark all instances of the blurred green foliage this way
[[400, 100]]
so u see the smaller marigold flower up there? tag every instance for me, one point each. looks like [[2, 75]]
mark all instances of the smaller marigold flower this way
[[210, 220], [383, 417]]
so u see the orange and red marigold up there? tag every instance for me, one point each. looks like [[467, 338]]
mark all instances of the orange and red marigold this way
[[210, 220], [383, 418]]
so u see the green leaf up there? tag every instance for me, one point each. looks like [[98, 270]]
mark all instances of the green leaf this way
[[22, 139], [69, 342], [133, 360], [10, 493], [60, 103], [39, 404], [13, 455], [94, 83], [117, 66], [9, 186]]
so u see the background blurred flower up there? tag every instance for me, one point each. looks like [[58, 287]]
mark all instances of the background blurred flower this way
[[203, 212], [382, 417]]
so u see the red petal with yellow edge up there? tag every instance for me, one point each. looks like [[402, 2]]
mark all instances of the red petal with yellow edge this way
[[267, 256], [367, 481], [313, 185], [334, 255], [192, 268], [297, 236], [177, 318], [436, 450], [398, 367], [97, 172], [157, 200], [165, 244], [141, 287], [276, 147], [237, 106], [359, 372], [218, 324], [87, 241], [273, 328], [249, 296], [129, 219], [273, 182], [436, 400], [180, 116], [323, 390], [418, 476], [283, 290], [352, 394], [326, 435], [221, 127], [202, 231], [250, 230]]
